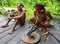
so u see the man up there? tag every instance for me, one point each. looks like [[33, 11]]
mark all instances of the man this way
[[41, 16], [19, 19]]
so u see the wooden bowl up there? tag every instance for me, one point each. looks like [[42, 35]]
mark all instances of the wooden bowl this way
[[34, 39]]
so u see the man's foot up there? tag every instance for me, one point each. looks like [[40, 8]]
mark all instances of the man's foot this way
[[11, 31], [4, 26], [45, 35]]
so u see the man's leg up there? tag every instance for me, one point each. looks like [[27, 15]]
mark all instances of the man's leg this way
[[46, 33], [6, 23], [12, 30], [32, 20], [46, 25]]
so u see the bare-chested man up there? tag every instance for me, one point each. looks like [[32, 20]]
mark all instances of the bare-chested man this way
[[41, 16], [19, 19]]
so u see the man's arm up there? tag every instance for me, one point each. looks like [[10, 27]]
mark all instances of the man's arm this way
[[19, 16], [12, 14], [49, 17]]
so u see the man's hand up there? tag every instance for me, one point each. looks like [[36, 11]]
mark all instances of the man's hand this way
[[46, 22], [10, 17], [17, 17]]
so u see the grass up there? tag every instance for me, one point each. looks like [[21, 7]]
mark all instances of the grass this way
[[50, 5]]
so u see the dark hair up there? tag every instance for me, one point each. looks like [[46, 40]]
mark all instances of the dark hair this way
[[39, 5], [21, 4]]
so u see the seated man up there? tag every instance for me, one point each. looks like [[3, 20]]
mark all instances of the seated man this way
[[41, 16], [19, 19]]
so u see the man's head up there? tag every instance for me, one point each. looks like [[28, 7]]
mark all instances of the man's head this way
[[39, 7], [20, 6]]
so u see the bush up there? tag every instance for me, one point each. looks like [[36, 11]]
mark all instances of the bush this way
[[51, 5]]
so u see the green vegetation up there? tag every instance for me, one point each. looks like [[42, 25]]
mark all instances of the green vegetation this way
[[51, 5]]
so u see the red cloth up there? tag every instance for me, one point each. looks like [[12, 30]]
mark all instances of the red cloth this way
[[38, 8], [40, 21]]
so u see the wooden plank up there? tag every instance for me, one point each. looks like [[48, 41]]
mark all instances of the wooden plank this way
[[9, 37], [51, 40], [15, 38], [3, 20], [21, 42], [5, 33], [18, 37], [6, 28], [57, 34], [56, 30]]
